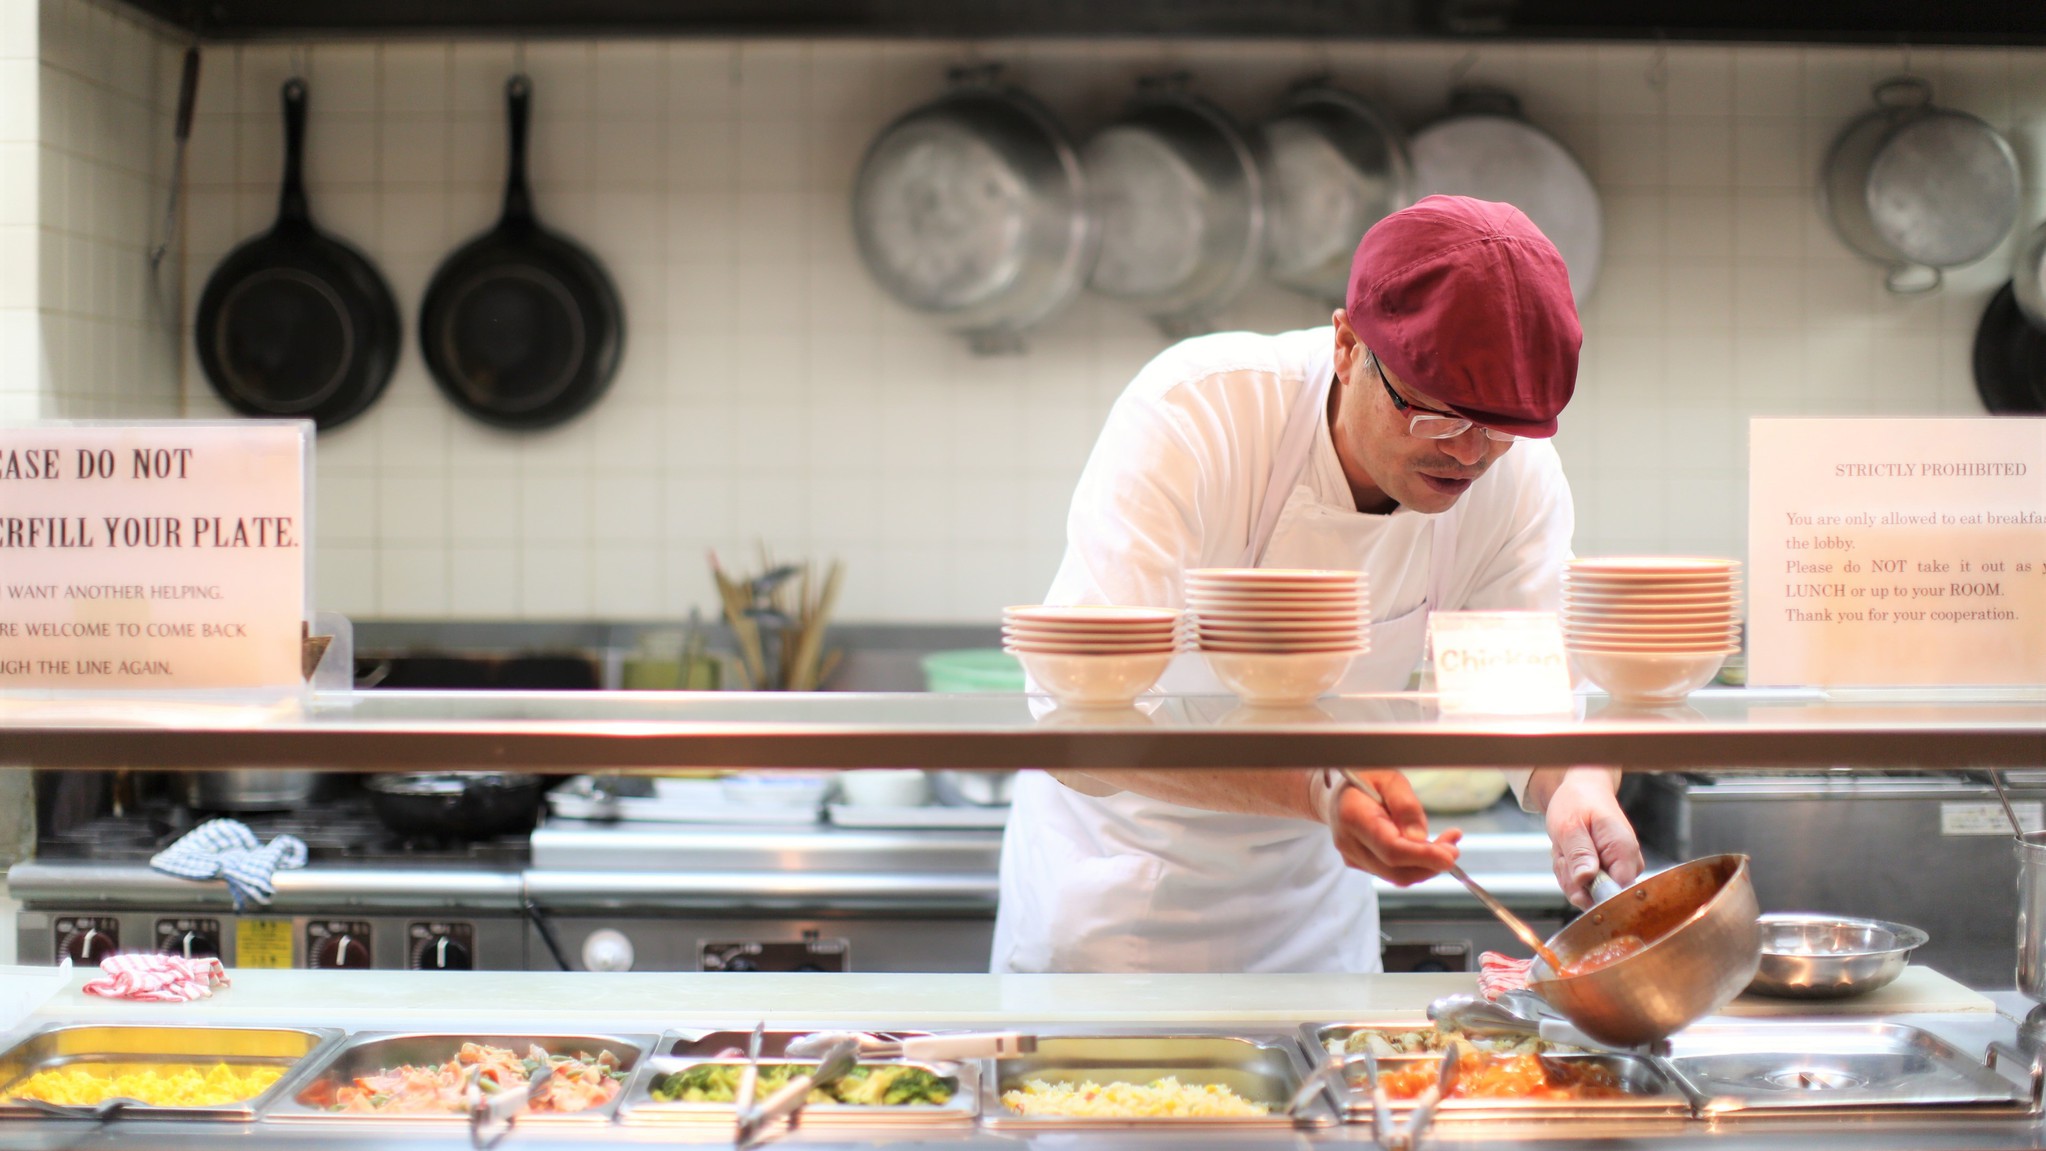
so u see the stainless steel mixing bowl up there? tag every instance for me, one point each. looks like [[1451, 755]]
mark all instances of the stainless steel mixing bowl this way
[[1807, 956]]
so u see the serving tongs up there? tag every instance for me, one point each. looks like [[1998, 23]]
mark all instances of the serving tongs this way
[[1402, 1135], [787, 1100], [920, 1048], [98, 1112], [1522, 1013], [491, 1114]]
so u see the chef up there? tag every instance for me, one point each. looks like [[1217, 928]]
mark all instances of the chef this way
[[1409, 439]]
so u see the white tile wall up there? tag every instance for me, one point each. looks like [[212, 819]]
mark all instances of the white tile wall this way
[[769, 393], [97, 166], [20, 344]]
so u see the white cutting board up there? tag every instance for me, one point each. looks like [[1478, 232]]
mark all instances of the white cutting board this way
[[1917, 989]]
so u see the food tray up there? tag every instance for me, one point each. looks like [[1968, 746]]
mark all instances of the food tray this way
[[774, 1042], [1647, 1091], [1263, 1067], [1764, 1069], [368, 1052], [61, 1045], [641, 1107]]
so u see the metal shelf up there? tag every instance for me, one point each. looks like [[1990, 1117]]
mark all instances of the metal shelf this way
[[585, 731]]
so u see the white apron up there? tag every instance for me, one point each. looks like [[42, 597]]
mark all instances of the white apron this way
[[1129, 883]]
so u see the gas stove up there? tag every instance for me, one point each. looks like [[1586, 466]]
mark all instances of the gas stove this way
[[367, 896], [344, 832]]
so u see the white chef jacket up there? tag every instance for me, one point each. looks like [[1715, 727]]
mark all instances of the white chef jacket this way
[[1178, 480]]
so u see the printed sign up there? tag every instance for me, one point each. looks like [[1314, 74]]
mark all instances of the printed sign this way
[[1904, 552], [1499, 663], [1988, 818], [152, 556]]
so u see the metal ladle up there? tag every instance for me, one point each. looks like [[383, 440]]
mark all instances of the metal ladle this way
[[1514, 923], [2003, 797]]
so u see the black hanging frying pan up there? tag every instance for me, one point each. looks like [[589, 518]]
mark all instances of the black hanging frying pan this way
[[294, 322], [2010, 358], [521, 327]]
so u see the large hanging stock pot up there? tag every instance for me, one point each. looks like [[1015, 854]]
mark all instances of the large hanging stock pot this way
[[1918, 187], [1178, 193], [1335, 165], [970, 209]]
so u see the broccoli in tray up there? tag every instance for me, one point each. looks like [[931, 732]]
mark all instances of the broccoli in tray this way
[[870, 1085]]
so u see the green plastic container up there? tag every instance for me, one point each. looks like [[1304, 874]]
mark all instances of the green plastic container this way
[[975, 669]]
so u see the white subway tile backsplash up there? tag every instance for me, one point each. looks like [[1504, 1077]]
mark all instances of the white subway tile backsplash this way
[[555, 583], [483, 582], [770, 393]]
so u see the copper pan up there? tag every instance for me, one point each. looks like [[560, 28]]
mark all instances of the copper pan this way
[[1704, 945]]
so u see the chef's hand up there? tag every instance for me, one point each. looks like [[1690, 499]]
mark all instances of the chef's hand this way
[[1587, 830], [1389, 840]]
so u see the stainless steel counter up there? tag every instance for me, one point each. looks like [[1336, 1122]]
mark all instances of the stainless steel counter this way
[[579, 731], [538, 1003]]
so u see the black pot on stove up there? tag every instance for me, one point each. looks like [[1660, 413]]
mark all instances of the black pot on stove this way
[[457, 804]]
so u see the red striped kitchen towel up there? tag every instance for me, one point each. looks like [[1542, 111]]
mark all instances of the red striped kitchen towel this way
[[1499, 974], [167, 978]]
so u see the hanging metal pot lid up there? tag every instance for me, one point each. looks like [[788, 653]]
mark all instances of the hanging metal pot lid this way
[[1177, 192], [971, 209], [2009, 359], [2028, 277], [1335, 164], [1484, 148], [1918, 186]]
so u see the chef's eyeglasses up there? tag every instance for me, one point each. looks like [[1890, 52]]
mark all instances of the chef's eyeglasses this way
[[1428, 423]]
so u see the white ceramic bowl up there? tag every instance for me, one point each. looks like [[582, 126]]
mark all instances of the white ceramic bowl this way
[[1648, 676], [1660, 567], [888, 787], [1288, 680], [1110, 615], [1094, 680], [1018, 648], [775, 789], [1273, 577]]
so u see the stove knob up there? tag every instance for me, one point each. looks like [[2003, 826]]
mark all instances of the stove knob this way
[[88, 946], [340, 952], [442, 953], [194, 945], [607, 950]]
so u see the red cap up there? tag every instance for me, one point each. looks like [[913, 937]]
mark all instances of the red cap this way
[[1467, 301]]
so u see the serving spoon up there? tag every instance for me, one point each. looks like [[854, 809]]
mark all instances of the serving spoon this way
[[1514, 923], [2003, 797]]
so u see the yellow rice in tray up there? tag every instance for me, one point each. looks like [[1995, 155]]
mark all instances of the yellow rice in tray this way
[[1165, 1098], [158, 1084]]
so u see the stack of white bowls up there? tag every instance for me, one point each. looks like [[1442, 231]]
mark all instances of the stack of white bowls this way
[[1279, 637], [1651, 629], [1092, 655]]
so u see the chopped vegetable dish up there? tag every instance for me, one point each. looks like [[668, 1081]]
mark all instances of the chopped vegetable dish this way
[[1490, 1075], [580, 1082], [157, 1084], [1165, 1098], [1389, 1042], [870, 1085]]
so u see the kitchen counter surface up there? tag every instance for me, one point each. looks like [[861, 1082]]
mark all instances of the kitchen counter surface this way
[[574, 731], [650, 1002], [639, 1001]]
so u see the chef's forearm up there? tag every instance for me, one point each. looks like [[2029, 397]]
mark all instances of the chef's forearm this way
[[1543, 782], [1281, 793]]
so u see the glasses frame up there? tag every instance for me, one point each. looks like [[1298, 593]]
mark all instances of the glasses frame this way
[[1416, 414]]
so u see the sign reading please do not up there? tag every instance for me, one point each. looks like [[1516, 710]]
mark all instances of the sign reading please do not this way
[[153, 556]]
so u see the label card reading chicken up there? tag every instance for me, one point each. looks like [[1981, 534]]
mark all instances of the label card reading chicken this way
[[1897, 552], [153, 556], [1499, 663]]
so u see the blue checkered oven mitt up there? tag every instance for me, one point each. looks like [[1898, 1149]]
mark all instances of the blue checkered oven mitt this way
[[227, 849]]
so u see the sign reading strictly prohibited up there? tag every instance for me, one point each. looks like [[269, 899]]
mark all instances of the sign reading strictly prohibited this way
[[1904, 552], [152, 556]]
